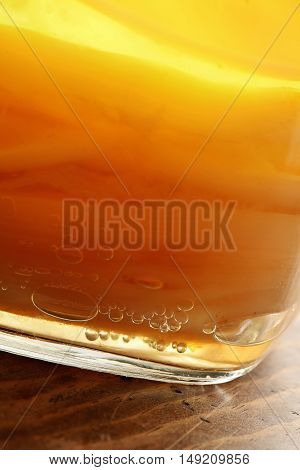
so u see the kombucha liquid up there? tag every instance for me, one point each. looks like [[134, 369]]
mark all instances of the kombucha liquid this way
[[140, 86]]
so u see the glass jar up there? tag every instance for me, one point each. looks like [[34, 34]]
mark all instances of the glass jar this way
[[149, 179]]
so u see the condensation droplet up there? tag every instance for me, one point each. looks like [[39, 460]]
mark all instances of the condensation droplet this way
[[181, 347], [64, 303], [91, 335], [103, 335], [115, 315], [181, 317], [185, 305], [153, 284]]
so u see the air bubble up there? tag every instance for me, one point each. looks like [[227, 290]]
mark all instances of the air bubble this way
[[153, 284], [94, 277], [103, 309], [105, 254], [159, 309], [137, 318], [126, 338], [174, 325], [121, 307], [181, 317], [174, 345], [91, 335], [164, 328], [64, 303], [154, 323], [209, 329], [24, 271], [160, 345], [103, 335], [69, 256], [42, 270], [115, 315], [169, 314], [148, 315], [185, 305], [253, 331], [181, 348], [114, 336]]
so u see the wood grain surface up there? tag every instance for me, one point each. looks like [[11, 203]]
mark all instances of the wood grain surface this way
[[42, 407]]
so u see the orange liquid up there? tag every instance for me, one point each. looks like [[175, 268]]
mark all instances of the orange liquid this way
[[89, 88]]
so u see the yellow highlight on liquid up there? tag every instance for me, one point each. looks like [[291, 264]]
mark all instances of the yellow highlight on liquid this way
[[174, 34]]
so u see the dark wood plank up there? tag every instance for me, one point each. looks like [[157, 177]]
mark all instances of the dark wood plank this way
[[79, 409]]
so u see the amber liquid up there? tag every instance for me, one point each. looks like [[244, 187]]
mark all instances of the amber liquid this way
[[149, 115]]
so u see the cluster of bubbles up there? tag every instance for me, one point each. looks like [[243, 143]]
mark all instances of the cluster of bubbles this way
[[160, 345], [115, 312], [158, 318], [23, 271], [156, 344], [93, 335]]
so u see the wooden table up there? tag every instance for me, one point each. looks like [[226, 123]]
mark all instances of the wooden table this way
[[78, 409]]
